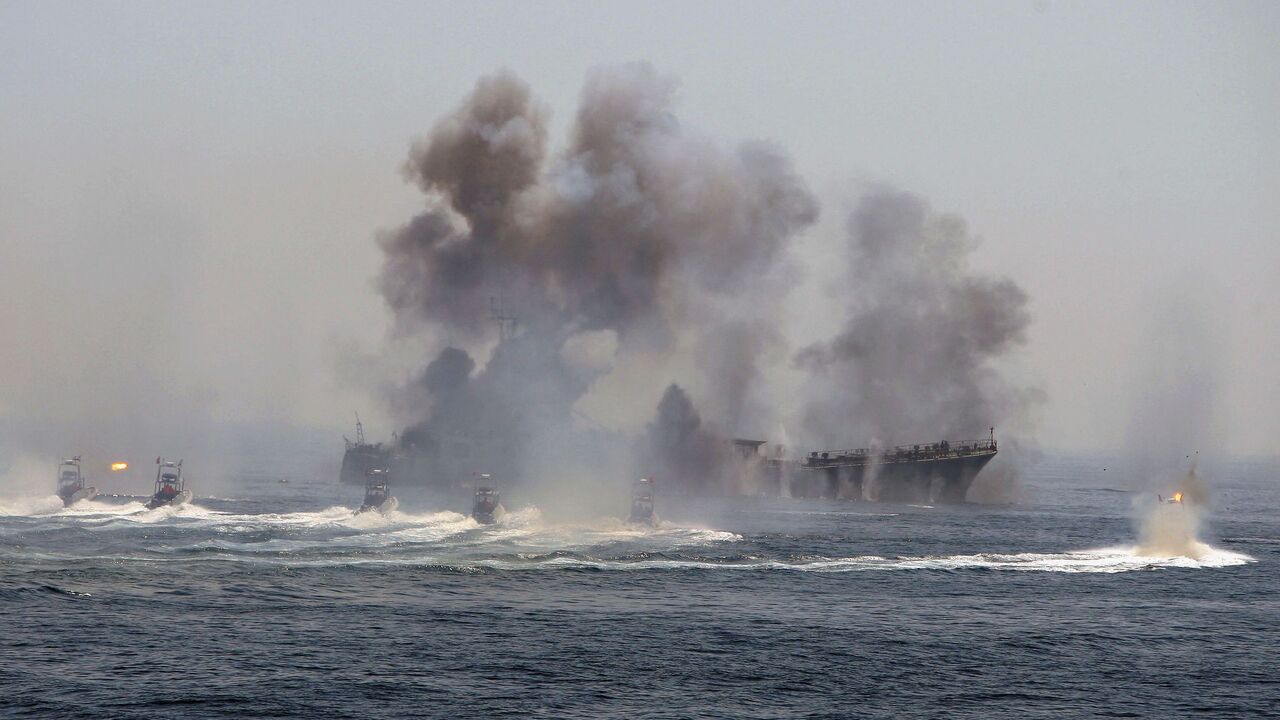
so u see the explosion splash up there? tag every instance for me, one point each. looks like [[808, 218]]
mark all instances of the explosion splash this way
[[1171, 528]]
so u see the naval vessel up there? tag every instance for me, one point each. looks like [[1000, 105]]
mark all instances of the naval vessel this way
[[361, 457], [934, 472]]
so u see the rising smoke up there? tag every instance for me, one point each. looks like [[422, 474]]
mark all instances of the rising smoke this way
[[1175, 422], [639, 235], [643, 240], [916, 358], [1176, 417]]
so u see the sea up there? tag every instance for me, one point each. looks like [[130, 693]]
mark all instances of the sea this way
[[275, 600]]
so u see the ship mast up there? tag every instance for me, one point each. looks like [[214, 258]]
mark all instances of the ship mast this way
[[506, 321], [359, 430]]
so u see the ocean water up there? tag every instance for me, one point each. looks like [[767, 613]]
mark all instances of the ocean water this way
[[277, 602]]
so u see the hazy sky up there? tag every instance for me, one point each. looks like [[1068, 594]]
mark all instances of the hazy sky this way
[[190, 193]]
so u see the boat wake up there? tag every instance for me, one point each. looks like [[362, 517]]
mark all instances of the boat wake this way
[[1102, 560], [1106, 560], [520, 540]]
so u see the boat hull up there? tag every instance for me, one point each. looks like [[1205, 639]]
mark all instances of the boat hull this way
[[385, 507], [181, 498], [644, 521], [88, 493]]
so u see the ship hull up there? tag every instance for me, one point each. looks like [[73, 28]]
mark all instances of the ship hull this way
[[934, 480], [384, 507], [70, 499], [488, 517], [181, 498], [643, 520]]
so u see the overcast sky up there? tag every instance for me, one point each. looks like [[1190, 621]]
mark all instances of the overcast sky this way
[[190, 192]]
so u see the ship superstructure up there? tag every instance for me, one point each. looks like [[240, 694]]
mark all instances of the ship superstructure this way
[[361, 457]]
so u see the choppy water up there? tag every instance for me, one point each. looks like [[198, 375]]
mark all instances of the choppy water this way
[[278, 602]]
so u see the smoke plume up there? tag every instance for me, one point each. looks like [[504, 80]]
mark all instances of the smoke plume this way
[[916, 358], [640, 233], [1176, 416]]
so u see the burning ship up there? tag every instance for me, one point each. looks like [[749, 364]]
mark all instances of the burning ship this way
[[362, 457], [934, 472]]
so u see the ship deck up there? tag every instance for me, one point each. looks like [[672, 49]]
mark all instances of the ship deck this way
[[862, 457]]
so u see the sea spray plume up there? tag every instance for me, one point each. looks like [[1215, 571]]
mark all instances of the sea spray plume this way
[[27, 485], [1171, 527], [915, 359], [1175, 417], [638, 233]]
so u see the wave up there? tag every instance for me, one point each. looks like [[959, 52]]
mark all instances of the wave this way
[[1253, 540], [17, 593]]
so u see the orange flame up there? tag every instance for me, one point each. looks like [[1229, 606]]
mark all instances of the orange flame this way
[[1177, 497], [118, 466]]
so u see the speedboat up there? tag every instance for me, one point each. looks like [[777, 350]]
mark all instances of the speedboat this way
[[642, 503], [377, 496], [1176, 499], [487, 507], [71, 487], [170, 487]]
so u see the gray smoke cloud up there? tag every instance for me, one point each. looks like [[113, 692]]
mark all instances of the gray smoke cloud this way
[[1176, 418], [639, 233], [915, 359]]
